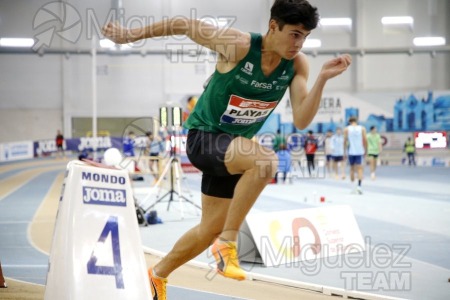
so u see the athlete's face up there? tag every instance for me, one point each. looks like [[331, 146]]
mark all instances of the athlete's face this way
[[289, 40]]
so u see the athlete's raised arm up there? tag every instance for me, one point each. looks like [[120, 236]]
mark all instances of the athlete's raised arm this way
[[231, 43], [305, 104]]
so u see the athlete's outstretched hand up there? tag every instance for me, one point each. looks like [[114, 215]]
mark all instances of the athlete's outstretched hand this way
[[336, 66], [116, 33]]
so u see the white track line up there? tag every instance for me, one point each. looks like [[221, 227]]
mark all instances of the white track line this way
[[24, 266], [21, 281], [43, 169], [58, 181], [326, 290]]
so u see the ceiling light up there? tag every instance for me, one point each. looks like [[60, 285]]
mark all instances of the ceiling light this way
[[16, 42], [336, 22], [108, 44], [105, 43], [312, 43], [429, 41], [403, 20]]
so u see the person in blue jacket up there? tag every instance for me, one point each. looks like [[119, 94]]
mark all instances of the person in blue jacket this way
[[128, 144], [284, 162]]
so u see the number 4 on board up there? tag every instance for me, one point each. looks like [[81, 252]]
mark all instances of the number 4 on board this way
[[112, 226]]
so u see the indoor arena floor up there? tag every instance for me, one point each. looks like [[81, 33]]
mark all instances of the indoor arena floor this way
[[405, 210]]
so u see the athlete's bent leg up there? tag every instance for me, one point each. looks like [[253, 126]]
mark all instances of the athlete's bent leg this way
[[258, 165], [197, 239]]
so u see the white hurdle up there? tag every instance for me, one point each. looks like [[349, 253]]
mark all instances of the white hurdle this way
[[96, 249]]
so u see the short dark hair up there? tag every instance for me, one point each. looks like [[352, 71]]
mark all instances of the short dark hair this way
[[310, 132], [353, 119], [294, 12], [372, 128]]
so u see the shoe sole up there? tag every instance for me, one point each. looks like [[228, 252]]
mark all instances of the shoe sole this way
[[231, 277]]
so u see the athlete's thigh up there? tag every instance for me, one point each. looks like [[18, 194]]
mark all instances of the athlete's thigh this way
[[243, 154], [206, 151]]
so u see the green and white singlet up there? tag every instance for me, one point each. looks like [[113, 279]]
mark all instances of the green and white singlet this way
[[239, 101]]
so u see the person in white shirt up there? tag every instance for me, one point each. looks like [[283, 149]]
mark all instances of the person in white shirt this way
[[356, 141]]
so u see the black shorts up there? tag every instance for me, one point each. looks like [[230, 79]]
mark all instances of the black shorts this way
[[355, 159], [338, 158], [374, 155], [310, 157], [206, 151]]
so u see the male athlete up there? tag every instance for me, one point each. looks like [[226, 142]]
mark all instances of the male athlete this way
[[356, 142], [374, 148], [252, 74]]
